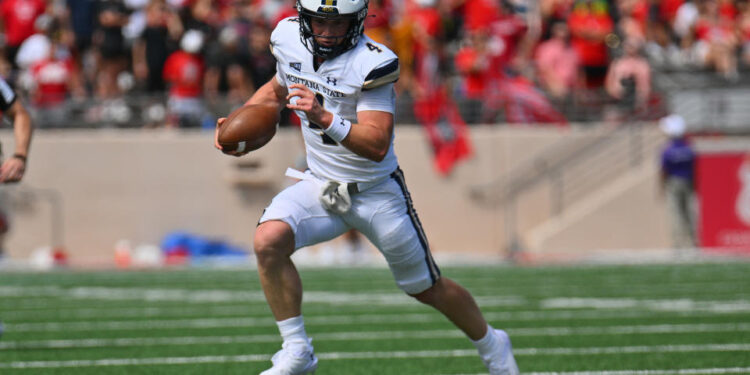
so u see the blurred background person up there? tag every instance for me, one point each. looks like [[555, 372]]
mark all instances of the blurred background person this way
[[678, 181], [159, 38], [183, 72], [713, 40], [590, 24], [112, 51], [476, 63], [228, 64], [48, 73], [17, 19], [262, 63], [557, 63], [628, 81]]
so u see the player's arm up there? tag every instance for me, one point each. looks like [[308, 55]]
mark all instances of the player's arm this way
[[272, 94], [13, 168], [370, 138]]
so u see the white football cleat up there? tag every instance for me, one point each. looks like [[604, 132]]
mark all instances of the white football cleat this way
[[294, 359], [502, 363]]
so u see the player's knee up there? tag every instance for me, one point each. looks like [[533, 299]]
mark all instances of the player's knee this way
[[273, 240], [429, 295]]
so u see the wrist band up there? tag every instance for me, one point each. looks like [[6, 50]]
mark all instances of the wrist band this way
[[19, 156], [339, 128]]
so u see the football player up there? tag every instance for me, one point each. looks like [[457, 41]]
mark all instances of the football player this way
[[340, 83], [13, 168]]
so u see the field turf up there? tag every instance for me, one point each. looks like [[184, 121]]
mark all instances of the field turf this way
[[594, 319]]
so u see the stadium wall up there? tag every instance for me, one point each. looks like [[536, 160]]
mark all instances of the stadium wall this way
[[139, 185]]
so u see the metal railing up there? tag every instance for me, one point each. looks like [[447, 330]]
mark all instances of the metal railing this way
[[572, 169], [26, 200], [136, 110]]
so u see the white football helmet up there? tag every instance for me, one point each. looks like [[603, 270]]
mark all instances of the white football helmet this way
[[355, 10]]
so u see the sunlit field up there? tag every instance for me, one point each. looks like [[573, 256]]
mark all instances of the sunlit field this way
[[645, 319]]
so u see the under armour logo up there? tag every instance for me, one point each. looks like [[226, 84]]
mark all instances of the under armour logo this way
[[331, 81], [296, 66]]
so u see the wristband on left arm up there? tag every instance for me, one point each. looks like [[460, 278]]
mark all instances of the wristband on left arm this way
[[339, 128]]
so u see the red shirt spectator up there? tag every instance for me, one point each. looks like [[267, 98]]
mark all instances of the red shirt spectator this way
[[473, 66], [475, 63], [589, 24], [727, 10], [668, 9], [18, 16], [184, 72], [52, 77], [480, 13]]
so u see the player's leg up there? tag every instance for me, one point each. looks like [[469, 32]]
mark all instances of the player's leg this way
[[294, 219], [457, 304], [274, 245], [394, 228]]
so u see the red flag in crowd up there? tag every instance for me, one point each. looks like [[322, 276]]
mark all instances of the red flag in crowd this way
[[446, 130]]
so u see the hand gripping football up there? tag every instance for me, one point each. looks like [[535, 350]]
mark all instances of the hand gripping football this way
[[248, 128]]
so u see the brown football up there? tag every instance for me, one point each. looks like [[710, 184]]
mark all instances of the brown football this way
[[248, 128]]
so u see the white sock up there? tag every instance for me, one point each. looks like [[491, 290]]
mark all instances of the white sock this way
[[488, 344], [293, 330]]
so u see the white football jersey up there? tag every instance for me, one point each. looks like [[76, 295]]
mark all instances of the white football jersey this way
[[359, 79]]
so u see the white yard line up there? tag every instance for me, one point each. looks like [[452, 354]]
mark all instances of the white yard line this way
[[73, 313], [687, 371], [220, 295], [378, 335], [680, 304], [245, 310], [378, 355], [343, 319], [349, 298]]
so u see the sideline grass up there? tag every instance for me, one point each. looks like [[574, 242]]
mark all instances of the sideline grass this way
[[690, 317]]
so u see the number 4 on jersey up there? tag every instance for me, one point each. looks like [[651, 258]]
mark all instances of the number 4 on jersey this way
[[326, 139], [373, 47]]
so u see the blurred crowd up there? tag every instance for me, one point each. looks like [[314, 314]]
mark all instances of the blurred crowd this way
[[516, 61]]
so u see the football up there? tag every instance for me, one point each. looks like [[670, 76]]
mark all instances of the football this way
[[248, 128]]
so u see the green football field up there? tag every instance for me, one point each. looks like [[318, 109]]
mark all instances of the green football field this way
[[618, 320]]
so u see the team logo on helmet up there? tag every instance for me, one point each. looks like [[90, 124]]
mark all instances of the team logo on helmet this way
[[328, 10], [353, 10], [328, 7]]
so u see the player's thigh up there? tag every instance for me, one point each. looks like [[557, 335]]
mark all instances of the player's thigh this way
[[396, 231], [299, 207]]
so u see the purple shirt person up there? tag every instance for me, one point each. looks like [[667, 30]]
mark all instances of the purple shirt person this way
[[677, 180], [678, 159]]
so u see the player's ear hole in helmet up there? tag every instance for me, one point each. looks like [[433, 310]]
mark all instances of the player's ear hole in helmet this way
[[353, 10]]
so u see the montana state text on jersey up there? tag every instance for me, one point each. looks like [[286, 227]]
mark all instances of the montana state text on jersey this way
[[359, 79]]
